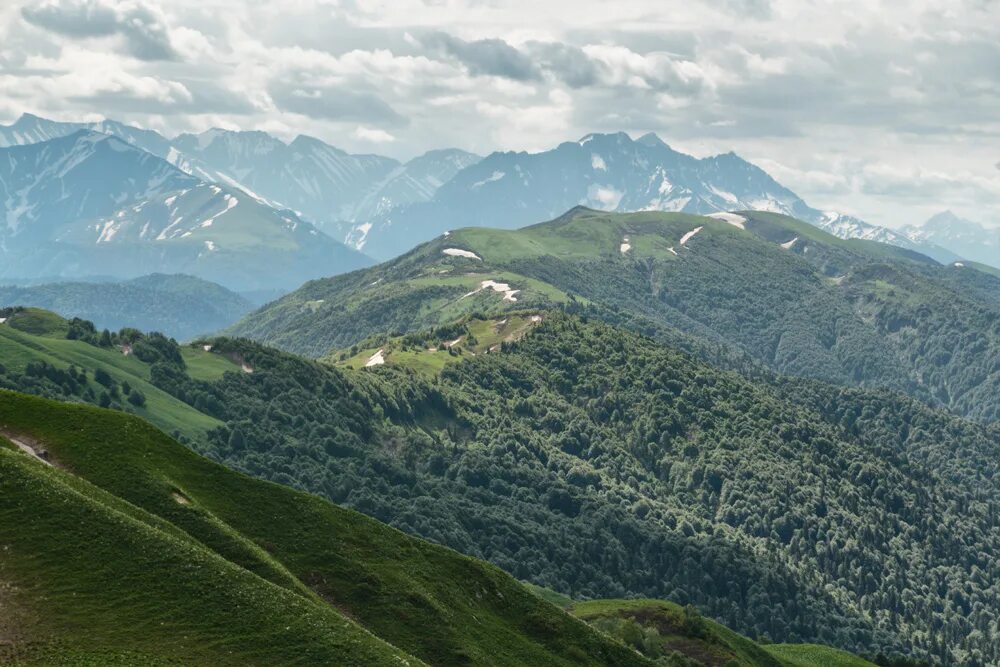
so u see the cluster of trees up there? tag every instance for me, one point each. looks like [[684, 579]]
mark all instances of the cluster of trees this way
[[72, 384]]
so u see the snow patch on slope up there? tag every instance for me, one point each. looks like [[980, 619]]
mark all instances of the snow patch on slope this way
[[687, 237], [505, 289], [734, 219], [458, 252]]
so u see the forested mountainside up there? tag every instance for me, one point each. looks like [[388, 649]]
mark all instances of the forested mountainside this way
[[177, 305], [794, 298], [603, 464]]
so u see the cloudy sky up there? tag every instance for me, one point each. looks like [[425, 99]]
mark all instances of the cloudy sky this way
[[885, 110]]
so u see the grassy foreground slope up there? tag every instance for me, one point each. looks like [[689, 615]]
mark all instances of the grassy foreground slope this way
[[799, 300], [132, 549]]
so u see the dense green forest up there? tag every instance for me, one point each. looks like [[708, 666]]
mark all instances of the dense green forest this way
[[794, 298], [601, 463]]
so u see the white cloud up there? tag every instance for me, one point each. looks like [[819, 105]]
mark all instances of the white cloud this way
[[373, 135], [853, 106]]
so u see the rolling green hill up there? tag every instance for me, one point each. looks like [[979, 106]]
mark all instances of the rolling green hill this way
[[122, 547], [601, 464], [790, 296], [176, 305], [680, 636]]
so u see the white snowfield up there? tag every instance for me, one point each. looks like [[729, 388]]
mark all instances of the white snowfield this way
[[376, 359], [687, 237], [671, 249], [503, 288], [458, 252], [625, 246], [734, 219], [787, 245]]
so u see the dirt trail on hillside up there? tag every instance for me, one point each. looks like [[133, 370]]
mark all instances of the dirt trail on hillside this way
[[27, 446]]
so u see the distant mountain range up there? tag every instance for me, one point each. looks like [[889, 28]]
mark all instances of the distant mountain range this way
[[610, 172], [968, 239], [328, 186], [383, 207], [90, 203]]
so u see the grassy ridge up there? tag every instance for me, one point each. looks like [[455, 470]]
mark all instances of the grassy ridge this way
[[148, 548], [811, 655], [794, 298], [19, 347], [666, 631]]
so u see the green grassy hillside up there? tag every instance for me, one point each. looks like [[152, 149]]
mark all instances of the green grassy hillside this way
[[126, 548], [34, 349], [429, 352], [790, 296], [663, 630], [810, 655]]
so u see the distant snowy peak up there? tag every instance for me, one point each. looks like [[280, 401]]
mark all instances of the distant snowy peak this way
[[31, 129], [92, 204], [849, 227], [966, 238], [76, 177]]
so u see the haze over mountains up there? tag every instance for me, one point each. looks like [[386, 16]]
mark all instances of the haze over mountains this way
[[382, 207], [91, 204]]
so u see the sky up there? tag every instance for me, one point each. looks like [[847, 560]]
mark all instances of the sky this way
[[889, 111]]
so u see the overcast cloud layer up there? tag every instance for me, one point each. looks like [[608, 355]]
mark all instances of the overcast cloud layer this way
[[886, 110]]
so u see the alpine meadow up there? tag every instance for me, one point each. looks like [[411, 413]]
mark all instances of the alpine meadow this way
[[499, 334]]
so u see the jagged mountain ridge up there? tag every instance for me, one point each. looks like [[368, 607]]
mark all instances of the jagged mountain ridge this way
[[966, 238], [329, 186], [383, 207], [90, 203], [609, 172]]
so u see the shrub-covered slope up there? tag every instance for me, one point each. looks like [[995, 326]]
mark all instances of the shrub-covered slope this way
[[123, 547], [793, 297]]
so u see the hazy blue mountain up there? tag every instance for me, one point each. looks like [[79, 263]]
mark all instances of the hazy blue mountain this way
[[848, 227], [376, 204], [319, 181], [179, 306], [32, 129], [415, 181], [326, 185], [90, 203], [965, 238], [609, 172]]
